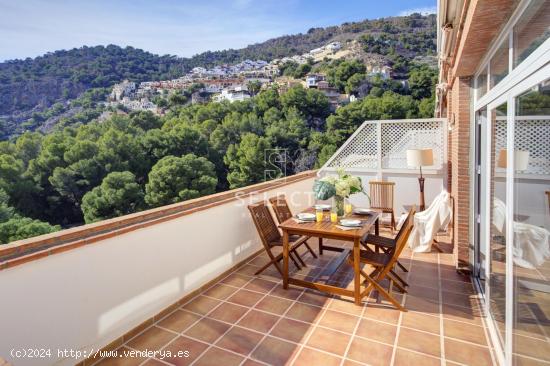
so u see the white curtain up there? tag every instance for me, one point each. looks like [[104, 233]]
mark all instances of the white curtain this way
[[531, 243]]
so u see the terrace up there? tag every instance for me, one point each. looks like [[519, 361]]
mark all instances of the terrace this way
[[181, 278]]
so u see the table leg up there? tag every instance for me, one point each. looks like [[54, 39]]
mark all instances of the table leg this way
[[321, 246], [285, 259], [357, 272], [377, 226]]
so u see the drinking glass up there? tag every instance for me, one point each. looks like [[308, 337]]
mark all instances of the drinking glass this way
[[333, 216], [348, 208], [319, 215]]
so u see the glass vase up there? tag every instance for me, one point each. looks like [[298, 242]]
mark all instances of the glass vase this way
[[339, 205]]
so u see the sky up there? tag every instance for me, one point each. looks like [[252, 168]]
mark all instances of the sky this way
[[29, 28]]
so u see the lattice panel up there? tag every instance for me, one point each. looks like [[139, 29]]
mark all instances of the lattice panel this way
[[397, 138], [531, 135], [360, 151]]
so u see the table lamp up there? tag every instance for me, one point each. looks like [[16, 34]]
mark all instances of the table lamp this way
[[521, 160], [419, 158]]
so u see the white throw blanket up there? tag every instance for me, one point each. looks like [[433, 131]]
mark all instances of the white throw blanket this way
[[531, 243], [428, 222]]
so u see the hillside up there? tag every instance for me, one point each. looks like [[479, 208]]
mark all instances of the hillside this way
[[33, 85]]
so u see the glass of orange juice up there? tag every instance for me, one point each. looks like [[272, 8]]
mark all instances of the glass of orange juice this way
[[319, 215], [348, 208], [333, 216]]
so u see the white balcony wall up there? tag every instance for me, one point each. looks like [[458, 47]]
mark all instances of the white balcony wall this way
[[85, 298], [377, 151], [407, 190]]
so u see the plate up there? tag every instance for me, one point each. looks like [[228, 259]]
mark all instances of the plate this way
[[306, 216], [322, 207], [363, 211], [350, 222]]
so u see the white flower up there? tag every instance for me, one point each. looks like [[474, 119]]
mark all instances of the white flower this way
[[342, 188]]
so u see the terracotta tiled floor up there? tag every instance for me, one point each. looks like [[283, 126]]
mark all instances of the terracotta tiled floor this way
[[248, 320]]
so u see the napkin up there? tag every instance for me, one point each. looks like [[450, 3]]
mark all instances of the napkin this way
[[298, 221], [348, 227]]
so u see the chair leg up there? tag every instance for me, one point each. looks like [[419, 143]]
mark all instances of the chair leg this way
[[293, 259], [402, 267], [395, 281], [435, 244], [320, 246], [274, 260], [399, 278], [392, 221], [310, 250], [382, 290], [297, 255]]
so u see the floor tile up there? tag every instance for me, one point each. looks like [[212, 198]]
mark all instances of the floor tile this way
[[378, 331], [346, 306], [404, 357], [228, 312], [274, 305], [153, 362], [315, 298], [207, 330], [419, 341], [368, 352], [421, 321], [532, 347], [291, 330], [339, 321], [184, 344], [274, 351], [179, 320], [260, 285], [220, 291], [329, 340], [259, 321], [310, 357], [466, 353], [153, 339], [464, 331], [292, 293], [216, 357], [236, 280], [201, 305], [245, 298], [387, 314], [307, 313], [239, 340]]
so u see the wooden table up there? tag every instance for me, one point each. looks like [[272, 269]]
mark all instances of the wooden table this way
[[328, 230]]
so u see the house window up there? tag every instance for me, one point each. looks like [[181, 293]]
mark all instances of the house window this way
[[481, 83], [531, 30], [498, 66]]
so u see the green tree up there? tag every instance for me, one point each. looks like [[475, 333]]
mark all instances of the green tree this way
[[339, 75], [173, 179], [119, 194], [246, 160], [422, 82]]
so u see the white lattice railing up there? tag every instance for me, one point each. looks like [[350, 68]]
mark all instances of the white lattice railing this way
[[531, 133], [382, 145]]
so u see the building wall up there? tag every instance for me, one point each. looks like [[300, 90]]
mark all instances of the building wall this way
[[458, 109], [87, 297]]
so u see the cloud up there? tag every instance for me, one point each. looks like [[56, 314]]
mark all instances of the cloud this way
[[423, 10]]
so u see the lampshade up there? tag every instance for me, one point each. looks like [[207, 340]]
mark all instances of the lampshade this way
[[521, 159], [420, 157]]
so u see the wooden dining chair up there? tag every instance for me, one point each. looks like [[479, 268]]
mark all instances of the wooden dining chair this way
[[381, 198], [387, 244], [384, 264], [271, 237], [283, 213]]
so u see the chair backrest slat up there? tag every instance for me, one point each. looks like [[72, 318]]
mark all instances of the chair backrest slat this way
[[403, 236], [381, 195], [281, 209], [267, 229]]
